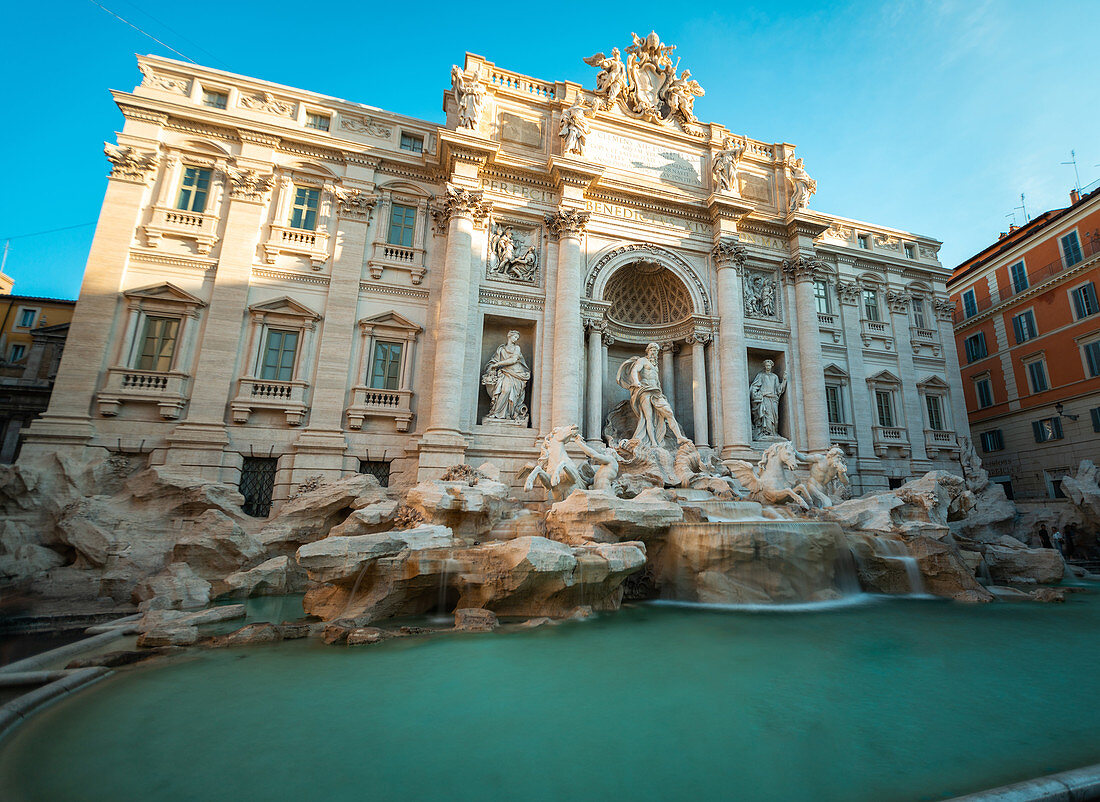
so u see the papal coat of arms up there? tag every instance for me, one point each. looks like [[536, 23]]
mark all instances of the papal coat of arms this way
[[647, 86]]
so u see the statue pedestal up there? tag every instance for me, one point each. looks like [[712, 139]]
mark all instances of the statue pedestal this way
[[508, 425]]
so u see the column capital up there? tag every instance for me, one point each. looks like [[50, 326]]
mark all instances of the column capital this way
[[898, 301], [460, 202], [802, 268], [944, 308], [729, 253], [699, 338], [848, 292], [129, 164], [354, 203], [567, 222], [595, 324]]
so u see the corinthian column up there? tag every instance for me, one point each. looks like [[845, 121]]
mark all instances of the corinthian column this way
[[457, 210], [729, 259], [803, 270], [595, 380], [568, 225], [698, 342]]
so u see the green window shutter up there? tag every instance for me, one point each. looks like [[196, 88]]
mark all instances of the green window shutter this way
[[1095, 413], [1037, 428], [1057, 428], [1018, 329]]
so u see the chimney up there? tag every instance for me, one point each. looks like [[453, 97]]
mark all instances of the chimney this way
[[1001, 236], [1074, 196], [1012, 227]]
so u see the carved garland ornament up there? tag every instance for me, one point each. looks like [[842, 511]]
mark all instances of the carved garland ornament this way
[[128, 163], [248, 184], [268, 104], [364, 125]]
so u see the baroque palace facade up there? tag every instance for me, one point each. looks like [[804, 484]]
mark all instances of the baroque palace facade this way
[[284, 285]]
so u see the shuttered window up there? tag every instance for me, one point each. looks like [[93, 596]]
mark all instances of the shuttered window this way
[[1084, 301], [1092, 358], [970, 303], [993, 440], [1047, 429], [1095, 413], [1023, 325], [1071, 249], [935, 412], [984, 391], [1037, 375], [974, 346]]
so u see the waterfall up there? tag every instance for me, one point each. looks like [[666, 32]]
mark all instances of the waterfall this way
[[897, 551]]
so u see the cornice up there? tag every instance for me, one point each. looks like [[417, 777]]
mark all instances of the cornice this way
[[378, 288], [287, 275], [521, 300], [173, 261], [686, 211], [195, 127], [142, 115]]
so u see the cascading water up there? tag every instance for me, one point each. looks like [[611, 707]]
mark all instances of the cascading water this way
[[896, 550]]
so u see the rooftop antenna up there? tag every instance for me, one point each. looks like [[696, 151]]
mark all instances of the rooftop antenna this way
[[1023, 208], [1076, 175]]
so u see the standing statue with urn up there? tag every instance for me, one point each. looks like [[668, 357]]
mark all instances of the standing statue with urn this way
[[505, 380], [764, 393]]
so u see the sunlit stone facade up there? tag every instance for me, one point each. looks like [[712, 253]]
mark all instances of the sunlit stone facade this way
[[288, 282]]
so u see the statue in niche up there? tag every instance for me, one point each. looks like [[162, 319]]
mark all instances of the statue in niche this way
[[759, 295], [469, 95], [612, 78], [505, 380], [510, 256], [724, 166], [764, 394], [802, 185], [639, 375], [574, 128]]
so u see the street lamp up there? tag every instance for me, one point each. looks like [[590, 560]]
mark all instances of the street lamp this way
[[1058, 408]]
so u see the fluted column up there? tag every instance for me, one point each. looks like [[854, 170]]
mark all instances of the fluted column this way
[[595, 380], [568, 225], [668, 373], [729, 259], [457, 209], [802, 270], [699, 400]]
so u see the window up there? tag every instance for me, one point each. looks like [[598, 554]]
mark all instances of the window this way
[[318, 122], [1095, 414], [1071, 249], [194, 188], [1023, 325], [1084, 300], [993, 440], [413, 144], [974, 345], [1037, 375], [910, 251], [870, 305], [1019, 277], [984, 390], [1047, 429], [257, 484], [303, 211], [918, 313], [385, 371], [970, 303], [864, 241], [402, 223], [17, 351], [279, 353], [935, 412], [1092, 358], [821, 294], [215, 100], [27, 318], [379, 469], [885, 406], [158, 343], [835, 403]]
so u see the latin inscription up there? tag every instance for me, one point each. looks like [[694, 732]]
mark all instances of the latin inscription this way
[[518, 190], [644, 216], [656, 161], [764, 242]]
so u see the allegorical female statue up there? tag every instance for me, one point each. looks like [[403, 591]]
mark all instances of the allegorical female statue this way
[[764, 395], [505, 380]]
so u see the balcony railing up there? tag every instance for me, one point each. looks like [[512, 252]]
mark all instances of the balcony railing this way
[[842, 432], [872, 330], [297, 241], [288, 397], [1089, 248], [827, 320], [166, 389], [886, 437], [369, 402], [196, 226], [397, 257], [940, 440]]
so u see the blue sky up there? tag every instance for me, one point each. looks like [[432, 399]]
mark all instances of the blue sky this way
[[928, 116]]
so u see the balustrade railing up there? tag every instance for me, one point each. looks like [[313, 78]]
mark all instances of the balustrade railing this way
[[371, 402], [503, 79]]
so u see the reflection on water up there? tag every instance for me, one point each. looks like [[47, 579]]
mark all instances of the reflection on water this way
[[887, 700]]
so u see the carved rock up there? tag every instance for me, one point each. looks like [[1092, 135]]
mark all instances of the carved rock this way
[[472, 619], [215, 545], [311, 515], [467, 510], [177, 587], [594, 515], [1011, 562], [270, 578]]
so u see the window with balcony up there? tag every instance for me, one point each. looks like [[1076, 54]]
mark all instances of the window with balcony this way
[[303, 208], [280, 350], [1084, 301], [18, 350], [983, 389], [917, 306], [1092, 358], [412, 143], [884, 406], [1037, 375], [870, 305], [194, 188], [1023, 326], [1047, 429], [385, 373], [402, 225], [992, 440], [934, 405], [1071, 249], [158, 343], [834, 401], [974, 346], [821, 295], [27, 318], [318, 122], [970, 303], [215, 99], [1018, 272]]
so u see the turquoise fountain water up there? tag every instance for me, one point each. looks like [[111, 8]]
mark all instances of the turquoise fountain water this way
[[887, 700]]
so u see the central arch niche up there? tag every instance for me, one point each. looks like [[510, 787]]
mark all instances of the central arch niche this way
[[647, 295]]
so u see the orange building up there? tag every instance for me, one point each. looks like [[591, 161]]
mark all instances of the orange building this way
[[20, 315], [1027, 329]]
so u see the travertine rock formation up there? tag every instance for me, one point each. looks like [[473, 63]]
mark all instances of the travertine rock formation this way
[[595, 515], [468, 510]]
